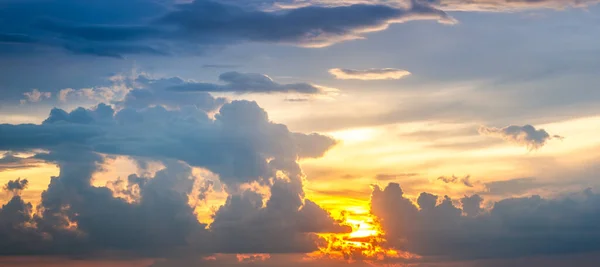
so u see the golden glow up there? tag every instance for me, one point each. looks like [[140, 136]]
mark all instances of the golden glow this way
[[365, 243]]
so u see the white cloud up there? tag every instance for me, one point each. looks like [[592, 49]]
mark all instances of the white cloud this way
[[369, 74], [35, 96]]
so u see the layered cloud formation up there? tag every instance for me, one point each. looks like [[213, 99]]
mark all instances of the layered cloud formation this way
[[150, 214], [161, 28]]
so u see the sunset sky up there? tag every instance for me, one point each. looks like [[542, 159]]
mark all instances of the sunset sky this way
[[302, 133]]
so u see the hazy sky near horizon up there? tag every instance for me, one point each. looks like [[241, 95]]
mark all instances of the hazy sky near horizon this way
[[259, 132]]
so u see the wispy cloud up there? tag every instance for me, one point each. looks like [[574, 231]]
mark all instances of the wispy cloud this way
[[369, 74]]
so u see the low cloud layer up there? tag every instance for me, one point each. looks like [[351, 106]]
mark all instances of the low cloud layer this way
[[516, 227], [369, 74], [526, 135]]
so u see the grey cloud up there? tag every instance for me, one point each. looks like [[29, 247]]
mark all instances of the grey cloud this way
[[466, 180], [369, 74], [151, 27], [513, 186], [526, 135], [145, 216], [514, 227], [247, 83], [148, 92], [11, 161], [16, 186]]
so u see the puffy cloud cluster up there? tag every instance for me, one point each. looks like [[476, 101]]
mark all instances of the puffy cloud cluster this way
[[35, 96], [150, 214], [526, 135], [109, 28], [369, 74], [16, 186], [435, 227]]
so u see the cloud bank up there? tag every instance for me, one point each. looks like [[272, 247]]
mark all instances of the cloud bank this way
[[515, 227], [150, 214], [164, 28]]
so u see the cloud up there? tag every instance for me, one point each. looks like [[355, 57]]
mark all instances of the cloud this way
[[391, 177], [466, 181], [369, 74], [11, 161], [150, 27], [513, 227], [150, 215], [453, 5], [16, 186], [35, 96], [237, 82], [513, 186], [526, 135]]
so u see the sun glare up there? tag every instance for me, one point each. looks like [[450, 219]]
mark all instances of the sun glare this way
[[366, 242]]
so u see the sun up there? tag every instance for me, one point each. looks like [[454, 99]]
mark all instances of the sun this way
[[366, 242]]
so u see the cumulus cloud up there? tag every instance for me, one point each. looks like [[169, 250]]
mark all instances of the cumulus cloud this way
[[35, 96], [165, 28], [369, 74], [16, 186], [150, 214], [513, 227], [237, 82], [526, 135]]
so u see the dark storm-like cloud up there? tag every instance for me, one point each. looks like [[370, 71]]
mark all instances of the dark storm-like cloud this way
[[513, 227], [109, 28], [151, 215]]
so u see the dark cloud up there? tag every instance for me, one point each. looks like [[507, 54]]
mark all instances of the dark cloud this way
[[11, 161], [148, 92], [514, 227], [151, 216], [526, 135], [248, 83], [16, 186], [108, 28]]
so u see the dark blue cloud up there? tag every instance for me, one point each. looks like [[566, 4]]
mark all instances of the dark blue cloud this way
[[513, 227], [112, 28], [237, 82], [151, 216]]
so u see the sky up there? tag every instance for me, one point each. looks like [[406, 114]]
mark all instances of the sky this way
[[185, 133]]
